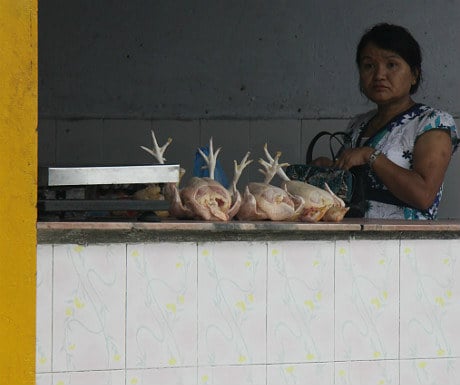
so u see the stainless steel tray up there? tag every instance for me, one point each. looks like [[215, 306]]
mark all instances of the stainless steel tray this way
[[73, 176]]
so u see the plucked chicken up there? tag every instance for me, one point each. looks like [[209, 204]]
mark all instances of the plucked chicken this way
[[263, 201], [205, 198], [320, 204]]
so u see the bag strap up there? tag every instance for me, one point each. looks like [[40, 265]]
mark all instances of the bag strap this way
[[345, 138], [309, 155], [378, 195], [384, 196]]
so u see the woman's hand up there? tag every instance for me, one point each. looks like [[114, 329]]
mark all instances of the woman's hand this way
[[351, 157], [417, 186], [322, 161]]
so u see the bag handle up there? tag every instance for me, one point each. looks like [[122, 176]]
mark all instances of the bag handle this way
[[309, 156]]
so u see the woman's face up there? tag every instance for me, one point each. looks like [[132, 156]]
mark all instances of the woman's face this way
[[385, 77]]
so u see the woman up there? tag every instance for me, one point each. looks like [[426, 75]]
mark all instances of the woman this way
[[407, 145]]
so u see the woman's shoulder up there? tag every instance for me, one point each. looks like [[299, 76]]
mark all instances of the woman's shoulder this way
[[432, 117], [435, 119]]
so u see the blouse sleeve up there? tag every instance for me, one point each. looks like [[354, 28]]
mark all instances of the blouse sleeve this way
[[439, 120]]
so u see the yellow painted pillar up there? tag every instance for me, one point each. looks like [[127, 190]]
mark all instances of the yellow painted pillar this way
[[18, 189]]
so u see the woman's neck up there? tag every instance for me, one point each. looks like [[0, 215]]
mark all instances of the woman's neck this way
[[386, 112]]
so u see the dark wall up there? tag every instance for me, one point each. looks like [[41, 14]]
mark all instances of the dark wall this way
[[230, 59]]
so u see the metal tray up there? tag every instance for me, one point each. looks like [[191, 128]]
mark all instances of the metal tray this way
[[73, 176]]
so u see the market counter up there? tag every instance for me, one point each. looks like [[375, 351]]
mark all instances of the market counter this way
[[174, 230], [190, 302]]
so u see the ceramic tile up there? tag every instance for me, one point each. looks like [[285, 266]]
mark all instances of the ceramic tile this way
[[366, 300], [311, 373], [46, 142], [379, 372], [230, 375], [79, 142], [162, 305], [300, 302], [444, 371], [163, 376], [126, 136], [430, 309], [44, 295], [112, 377], [89, 307], [232, 303], [44, 379]]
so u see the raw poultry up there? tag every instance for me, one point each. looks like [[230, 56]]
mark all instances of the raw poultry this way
[[263, 201], [320, 204], [205, 198], [294, 200]]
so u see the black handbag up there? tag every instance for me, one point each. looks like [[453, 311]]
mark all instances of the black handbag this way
[[349, 185], [353, 185]]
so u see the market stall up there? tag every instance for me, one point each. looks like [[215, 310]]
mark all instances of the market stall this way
[[197, 302]]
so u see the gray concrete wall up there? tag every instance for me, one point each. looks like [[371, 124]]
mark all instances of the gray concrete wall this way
[[244, 72]]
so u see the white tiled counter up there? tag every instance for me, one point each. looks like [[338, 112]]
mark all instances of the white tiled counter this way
[[202, 303]]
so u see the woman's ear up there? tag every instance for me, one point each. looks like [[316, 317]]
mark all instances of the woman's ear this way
[[415, 76]]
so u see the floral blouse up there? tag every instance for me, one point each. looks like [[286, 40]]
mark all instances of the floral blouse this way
[[396, 140]]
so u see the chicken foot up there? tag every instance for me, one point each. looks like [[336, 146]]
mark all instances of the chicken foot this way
[[157, 151], [263, 201]]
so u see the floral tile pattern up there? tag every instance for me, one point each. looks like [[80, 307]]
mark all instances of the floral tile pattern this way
[[366, 300], [356, 312], [44, 313], [379, 372], [310, 373], [231, 375], [161, 305], [163, 376], [89, 307], [44, 379], [444, 371], [232, 303], [113, 377], [300, 303], [430, 292]]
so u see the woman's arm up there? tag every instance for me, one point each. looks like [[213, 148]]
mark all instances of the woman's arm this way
[[417, 187]]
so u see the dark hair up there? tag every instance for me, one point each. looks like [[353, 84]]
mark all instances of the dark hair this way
[[397, 39]]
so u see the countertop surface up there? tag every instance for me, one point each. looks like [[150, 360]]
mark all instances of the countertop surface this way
[[179, 230]]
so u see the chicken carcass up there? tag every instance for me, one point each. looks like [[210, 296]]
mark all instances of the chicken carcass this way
[[320, 204], [263, 201], [205, 198]]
